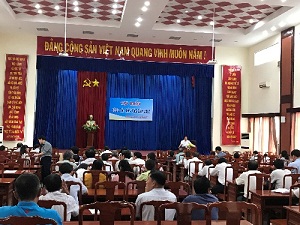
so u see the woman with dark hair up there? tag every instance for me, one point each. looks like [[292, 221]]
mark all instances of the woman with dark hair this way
[[24, 152], [88, 178], [285, 157], [125, 167]]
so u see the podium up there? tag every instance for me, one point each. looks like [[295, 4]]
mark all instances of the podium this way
[[90, 138]]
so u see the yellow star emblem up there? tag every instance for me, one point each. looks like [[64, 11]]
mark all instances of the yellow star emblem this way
[[96, 83]]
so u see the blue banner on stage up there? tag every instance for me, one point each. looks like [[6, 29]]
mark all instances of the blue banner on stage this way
[[135, 109]]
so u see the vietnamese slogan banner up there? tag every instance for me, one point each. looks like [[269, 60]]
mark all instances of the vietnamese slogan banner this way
[[231, 105], [14, 97], [124, 50], [131, 109]]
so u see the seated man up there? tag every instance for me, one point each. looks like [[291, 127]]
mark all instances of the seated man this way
[[278, 174], [27, 191], [179, 156], [219, 152], [67, 158], [219, 171], [201, 187], [204, 170], [155, 191], [187, 165], [66, 171], [150, 166], [243, 179], [90, 156], [53, 184]]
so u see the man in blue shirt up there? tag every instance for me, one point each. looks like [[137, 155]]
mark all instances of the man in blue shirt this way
[[27, 191], [295, 156], [219, 153], [201, 187]]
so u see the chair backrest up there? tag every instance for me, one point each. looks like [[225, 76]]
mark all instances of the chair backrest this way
[[95, 176], [154, 204], [70, 183], [183, 212], [137, 168], [48, 204], [109, 211], [110, 187], [175, 187], [2, 170], [229, 174], [168, 175], [194, 167], [292, 188], [292, 169], [135, 185], [13, 165], [257, 181], [289, 180], [234, 210], [27, 220], [122, 175]]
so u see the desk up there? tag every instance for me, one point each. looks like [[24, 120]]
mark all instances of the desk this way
[[15, 174], [267, 200], [293, 215], [6, 189], [233, 189], [199, 222]]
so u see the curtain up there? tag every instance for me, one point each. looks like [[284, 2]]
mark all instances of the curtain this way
[[91, 100], [295, 132], [179, 109], [56, 107]]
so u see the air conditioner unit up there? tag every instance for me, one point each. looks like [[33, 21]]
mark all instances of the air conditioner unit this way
[[245, 141], [264, 84], [1, 135]]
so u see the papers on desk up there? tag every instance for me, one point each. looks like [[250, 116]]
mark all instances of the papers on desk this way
[[92, 211], [9, 171], [281, 190]]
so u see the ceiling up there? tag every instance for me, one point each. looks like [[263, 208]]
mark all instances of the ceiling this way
[[188, 22]]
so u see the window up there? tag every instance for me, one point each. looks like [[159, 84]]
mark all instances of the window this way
[[266, 55]]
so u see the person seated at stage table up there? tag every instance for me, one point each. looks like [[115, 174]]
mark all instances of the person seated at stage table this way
[[219, 171], [125, 154], [278, 174], [155, 191], [295, 158], [243, 179], [150, 167], [68, 158], [179, 156], [186, 144], [219, 152], [124, 166], [88, 178], [202, 196], [204, 170], [90, 156], [27, 191], [66, 172], [58, 191]]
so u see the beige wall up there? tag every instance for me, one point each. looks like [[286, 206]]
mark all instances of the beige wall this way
[[20, 43]]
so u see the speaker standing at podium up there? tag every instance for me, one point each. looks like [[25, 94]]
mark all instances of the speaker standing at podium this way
[[185, 143]]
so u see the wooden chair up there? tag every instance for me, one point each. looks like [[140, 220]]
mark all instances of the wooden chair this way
[[138, 185], [71, 183], [110, 187], [260, 180], [229, 176], [153, 203], [95, 176], [109, 212], [234, 211], [168, 175], [194, 167], [292, 169], [27, 220], [183, 212], [289, 180], [137, 168], [122, 175], [48, 204], [2, 170], [13, 165], [292, 194], [175, 187], [267, 169]]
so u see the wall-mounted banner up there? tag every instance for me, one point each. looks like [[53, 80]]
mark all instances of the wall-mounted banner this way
[[231, 105], [14, 97], [124, 50], [131, 109]]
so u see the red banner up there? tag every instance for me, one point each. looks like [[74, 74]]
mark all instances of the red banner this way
[[124, 50], [231, 105], [14, 97]]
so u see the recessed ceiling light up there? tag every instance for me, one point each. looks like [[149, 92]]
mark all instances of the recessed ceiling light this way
[[251, 21], [212, 23], [282, 24], [94, 10], [75, 3], [115, 0], [37, 6], [115, 6], [137, 24], [114, 11], [56, 7], [178, 21], [265, 33], [273, 28], [147, 3], [76, 9], [144, 8], [40, 11], [139, 19], [283, 0], [199, 17], [95, 0], [186, 11]]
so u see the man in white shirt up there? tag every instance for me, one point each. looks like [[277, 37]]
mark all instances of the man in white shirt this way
[[278, 174], [185, 143], [204, 170], [65, 170], [155, 191], [219, 171], [137, 160], [53, 184], [126, 154], [67, 158], [108, 164], [243, 179], [90, 156], [191, 166]]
